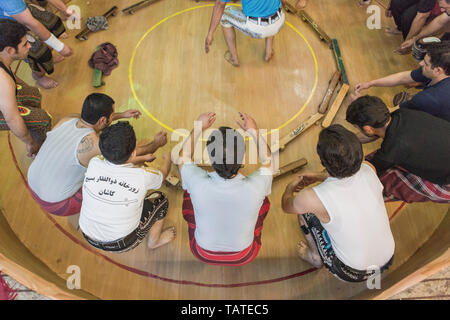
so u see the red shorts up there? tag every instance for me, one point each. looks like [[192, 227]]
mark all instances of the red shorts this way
[[224, 258], [62, 208]]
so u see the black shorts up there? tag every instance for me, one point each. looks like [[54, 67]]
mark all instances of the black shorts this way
[[154, 209], [329, 258]]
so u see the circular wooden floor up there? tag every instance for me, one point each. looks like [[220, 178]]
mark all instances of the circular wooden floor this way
[[174, 82]]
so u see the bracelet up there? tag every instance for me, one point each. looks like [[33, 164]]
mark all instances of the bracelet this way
[[54, 43]]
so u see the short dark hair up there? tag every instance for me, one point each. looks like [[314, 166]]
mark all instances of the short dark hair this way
[[340, 151], [439, 54], [368, 111], [117, 142], [95, 106], [11, 33], [226, 149]]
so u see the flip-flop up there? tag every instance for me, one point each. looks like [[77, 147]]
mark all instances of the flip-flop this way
[[227, 57]]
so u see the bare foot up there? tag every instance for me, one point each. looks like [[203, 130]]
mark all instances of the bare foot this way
[[64, 36], [301, 4], [57, 58], [269, 56], [165, 237], [402, 51], [392, 31], [46, 82], [230, 59], [305, 254]]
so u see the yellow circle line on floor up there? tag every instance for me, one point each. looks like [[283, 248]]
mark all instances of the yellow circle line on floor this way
[[316, 67]]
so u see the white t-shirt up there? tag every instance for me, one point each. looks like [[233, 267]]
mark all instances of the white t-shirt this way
[[359, 227], [225, 210], [113, 197]]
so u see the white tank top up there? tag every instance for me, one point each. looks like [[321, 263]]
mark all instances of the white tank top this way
[[56, 174], [359, 227]]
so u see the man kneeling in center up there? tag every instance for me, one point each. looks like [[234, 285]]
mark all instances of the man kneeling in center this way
[[224, 209], [344, 218], [117, 213]]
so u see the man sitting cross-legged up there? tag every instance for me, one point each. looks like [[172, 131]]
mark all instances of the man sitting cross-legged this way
[[257, 19], [224, 209], [117, 213], [344, 219], [413, 160], [56, 175]]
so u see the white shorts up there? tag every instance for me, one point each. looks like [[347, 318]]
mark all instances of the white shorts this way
[[234, 17]]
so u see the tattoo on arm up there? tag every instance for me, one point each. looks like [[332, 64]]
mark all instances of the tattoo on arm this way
[[86, 145]]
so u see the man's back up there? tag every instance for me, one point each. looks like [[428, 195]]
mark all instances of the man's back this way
[[56, 174], [113, 197], [418, 142], [359, 227], [226, 210]]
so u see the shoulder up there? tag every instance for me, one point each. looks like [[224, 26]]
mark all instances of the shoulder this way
[[6, 79], [88, 143], [64, 120]]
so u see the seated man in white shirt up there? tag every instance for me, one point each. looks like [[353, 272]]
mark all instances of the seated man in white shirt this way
[[224, 209], [344, 218], [56, 175], [116, 214]]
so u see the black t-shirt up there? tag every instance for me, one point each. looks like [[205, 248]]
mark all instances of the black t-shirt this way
[[426, 5], [419, 143], [434, 99]]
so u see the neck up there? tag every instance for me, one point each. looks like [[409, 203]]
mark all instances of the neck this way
[[6, 60], [83, 124], [439, 78], [381, 132]]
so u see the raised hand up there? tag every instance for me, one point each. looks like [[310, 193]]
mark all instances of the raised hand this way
[[207, 119], [249, 122]]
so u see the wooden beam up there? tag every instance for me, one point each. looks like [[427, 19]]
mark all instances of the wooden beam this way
[[291, 167], [331, 88], [322, 34], [335, 106], [298, 130], [339, 61], [140, 5], [84, 33]]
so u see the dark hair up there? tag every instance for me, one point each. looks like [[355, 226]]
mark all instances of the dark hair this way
[[368, 111], [95, 106], [11, 33], [117, 142], [226, 149], [340, 151], [440, 56]]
